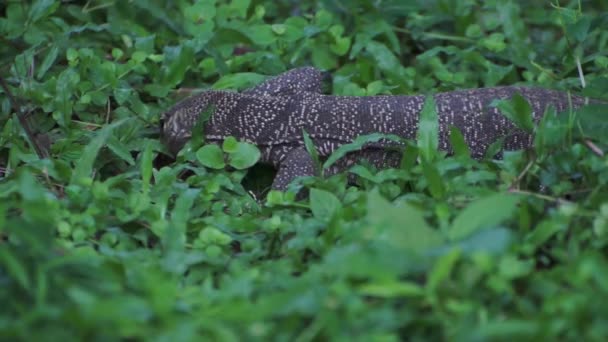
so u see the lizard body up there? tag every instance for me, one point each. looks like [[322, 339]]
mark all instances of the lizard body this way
[[273, 114]]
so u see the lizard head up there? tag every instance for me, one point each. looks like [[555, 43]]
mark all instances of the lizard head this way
[[178, 122]]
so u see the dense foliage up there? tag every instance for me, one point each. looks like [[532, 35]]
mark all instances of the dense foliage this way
[[107, 238]]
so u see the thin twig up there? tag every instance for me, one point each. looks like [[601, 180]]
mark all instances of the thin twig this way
[[521, 174], [541, 196], [594, 148]]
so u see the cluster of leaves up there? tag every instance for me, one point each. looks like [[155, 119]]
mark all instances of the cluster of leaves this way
[[101, 241]]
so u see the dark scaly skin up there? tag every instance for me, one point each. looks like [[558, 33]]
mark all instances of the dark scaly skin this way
[[273, 114]]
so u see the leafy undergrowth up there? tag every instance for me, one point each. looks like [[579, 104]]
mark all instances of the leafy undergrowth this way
[[106, 240]]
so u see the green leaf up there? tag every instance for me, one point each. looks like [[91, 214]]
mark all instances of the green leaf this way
[[391, 289], [245, 156], [358, 143], [260, 34], [323, 59], [434, 180], [238, 81], [428, 130], [518, 110], [15, 268], [324, 204], [240, 7], [592, 122], [42, 8], [211, 156], [401, 226], [312, 151], [84, 166], [48, 61], [120, 149], [180, 58], [340, 46], [146, 166], [442, 269], [459, 145], [230, 145], [580, 29], [485, 212]]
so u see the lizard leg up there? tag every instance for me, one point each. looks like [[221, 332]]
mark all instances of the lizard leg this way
[[305, 79], [297, 163]]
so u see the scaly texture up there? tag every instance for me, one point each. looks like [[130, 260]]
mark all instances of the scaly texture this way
[[273, 114]]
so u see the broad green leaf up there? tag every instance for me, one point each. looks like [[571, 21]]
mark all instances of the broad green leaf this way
[[518, 110], [485, 212], [245, 156], [593, 122], [383, 56], [180, 59], [402, 226], [428, 130], [323, 59], [260, 34], [324, 204], [211, 156], [240, 7]]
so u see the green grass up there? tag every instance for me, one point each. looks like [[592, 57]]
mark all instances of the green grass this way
[[108, 239]]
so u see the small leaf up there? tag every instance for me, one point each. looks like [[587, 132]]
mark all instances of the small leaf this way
[[459, 145], [340, 46], [518, 110], [230, 145], [483, 213], [245, 156], [324, 204], [312, 151], [211, 156]]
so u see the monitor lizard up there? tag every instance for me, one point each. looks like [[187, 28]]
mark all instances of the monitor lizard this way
[[273, 114]]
